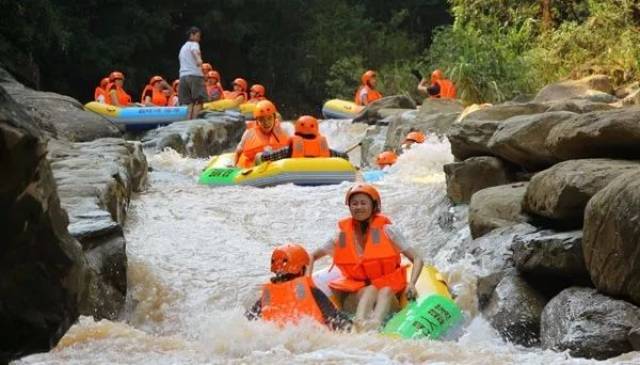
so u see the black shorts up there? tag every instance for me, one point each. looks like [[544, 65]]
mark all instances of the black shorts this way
[[192, 90]]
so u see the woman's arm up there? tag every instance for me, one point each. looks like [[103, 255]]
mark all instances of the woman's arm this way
[[422, 86], [114, 97], [315, 255], [416, 269]]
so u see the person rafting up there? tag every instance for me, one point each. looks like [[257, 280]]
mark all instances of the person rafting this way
[[306, 142], [386, 159], [173, 99], [117, 96], [367, 92], [214, 90], [100, 93], [239, 93], [439, 88], [191, 91], [266, 135], [290, 295], [367, 249], [256, 93], [412, 138], [156, 93]]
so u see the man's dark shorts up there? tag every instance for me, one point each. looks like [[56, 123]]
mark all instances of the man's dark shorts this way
[[192, 90]]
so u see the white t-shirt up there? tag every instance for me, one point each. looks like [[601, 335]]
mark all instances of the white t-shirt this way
[[188, 63], [394, 235]]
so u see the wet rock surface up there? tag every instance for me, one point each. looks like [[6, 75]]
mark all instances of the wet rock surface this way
[[42, 268], [562, 192], [202, 138], [515, 309], [496, 207], [371, 114], [612, 237], [474, 174], [588, 324], [58, 116], [95, 182]]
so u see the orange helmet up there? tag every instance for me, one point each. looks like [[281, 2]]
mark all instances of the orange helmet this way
[[307, 124], [258, 89], [368, 189], [213, 75], [175, 84], [104, 82], [290, 258], [264, 108], [116, 75], [386, 158], [437, 75], [416, 136], [242, 83], [367, 76], [155, 79], [206, 67]]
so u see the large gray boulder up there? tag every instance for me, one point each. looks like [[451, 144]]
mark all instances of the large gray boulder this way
[[612, 237], [579, 106], [521, 139], [59, 116], [609, 134], [42, 268], [96, 181], [474, 174], [551, 260], [515, 309], [373, 143], [586, 87], [470, 136], [561, 192], [588, 324], [201, 138], [432, 125], [371, 113], [496, 207]]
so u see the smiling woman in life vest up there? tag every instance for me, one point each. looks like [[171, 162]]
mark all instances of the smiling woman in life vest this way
[[266, 135], [367, 250], [290, 295]]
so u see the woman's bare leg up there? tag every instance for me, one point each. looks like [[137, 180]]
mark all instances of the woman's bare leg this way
[[367, 299], [386, 302]]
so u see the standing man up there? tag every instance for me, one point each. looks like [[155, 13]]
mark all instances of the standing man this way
[[191, 90]]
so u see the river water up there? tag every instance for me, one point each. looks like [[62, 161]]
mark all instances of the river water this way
[[197, 255]]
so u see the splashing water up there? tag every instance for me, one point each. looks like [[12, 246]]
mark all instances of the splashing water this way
[[198, 254]]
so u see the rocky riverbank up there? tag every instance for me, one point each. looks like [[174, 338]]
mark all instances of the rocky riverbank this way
[[558, 178]]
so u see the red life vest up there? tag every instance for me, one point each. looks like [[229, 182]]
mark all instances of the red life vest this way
[[290, 301], [255, 141], [158, 98], [372, 95], [302, 147], [447, 89], [100, 95], [123, 98], [379, 265]]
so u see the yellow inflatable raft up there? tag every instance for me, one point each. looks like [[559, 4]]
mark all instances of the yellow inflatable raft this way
[[340, 109], [299, 171], [245, 109]]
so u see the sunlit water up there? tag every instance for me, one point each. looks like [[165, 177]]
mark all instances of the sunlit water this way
[[197, 255]]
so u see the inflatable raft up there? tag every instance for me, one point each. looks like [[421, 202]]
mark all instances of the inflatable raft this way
[[299, 171], [340, 109], [246, 109], [133, 118], [433, 315]]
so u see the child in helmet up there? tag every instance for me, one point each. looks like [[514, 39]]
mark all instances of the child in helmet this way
[[291, 295], [367, 250], [306, 142]]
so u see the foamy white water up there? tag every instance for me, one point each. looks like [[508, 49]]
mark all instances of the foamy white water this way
[[197, 255]]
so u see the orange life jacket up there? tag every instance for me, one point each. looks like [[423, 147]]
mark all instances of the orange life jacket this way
[[212, 90], [158, 98], [123, 98], [317, 147], [379, 264], [100, 95], [447, 89], [290, 301], [372, 95], [255, 141], [233, 94]]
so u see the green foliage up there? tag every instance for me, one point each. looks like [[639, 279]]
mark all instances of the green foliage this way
[[343, 75]]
